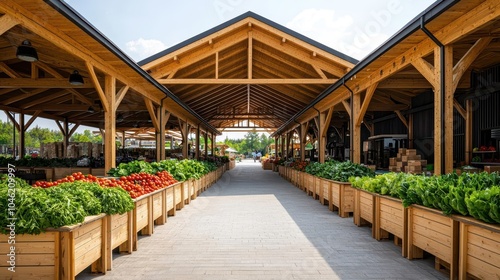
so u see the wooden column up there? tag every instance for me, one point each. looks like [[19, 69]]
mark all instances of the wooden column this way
[[22, 138], [410, 131], [282, 145], [324, 122], [468, 132], [197, 140], [356, 130], [206, 145], [110, 123], [213, 144], [303, 136], [184, 129], [447, 143]]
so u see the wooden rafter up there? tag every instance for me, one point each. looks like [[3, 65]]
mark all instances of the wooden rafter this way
[[38, 83], [368, 97], [152, 113], [120, 95], [6, 23], [98, 87], [32, 119], [247, 81], [402, 118], [7, 70], [464, 63]]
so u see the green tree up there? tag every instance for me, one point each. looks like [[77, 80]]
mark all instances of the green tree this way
[[86, 136]]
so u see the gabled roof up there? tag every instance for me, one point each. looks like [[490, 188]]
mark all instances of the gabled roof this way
[[248, 71]]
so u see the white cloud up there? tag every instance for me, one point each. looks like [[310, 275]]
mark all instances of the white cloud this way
[[339, 32], [142, 48]]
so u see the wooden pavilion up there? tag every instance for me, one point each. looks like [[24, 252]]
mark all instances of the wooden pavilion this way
[[253, 73]]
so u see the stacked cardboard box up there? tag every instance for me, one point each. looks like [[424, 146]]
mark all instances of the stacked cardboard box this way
[[407, 161]]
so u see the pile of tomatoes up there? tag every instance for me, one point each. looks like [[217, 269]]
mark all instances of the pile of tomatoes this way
[[135, 184]]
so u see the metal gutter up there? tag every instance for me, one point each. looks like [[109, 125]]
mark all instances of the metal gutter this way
[[351, 122], [427, 15], [72, 15]]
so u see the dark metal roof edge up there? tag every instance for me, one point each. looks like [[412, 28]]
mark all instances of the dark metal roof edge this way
[[239, 18], [428, 14], [71, 14]]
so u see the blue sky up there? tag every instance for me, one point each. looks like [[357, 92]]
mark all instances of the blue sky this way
[[143, 28]]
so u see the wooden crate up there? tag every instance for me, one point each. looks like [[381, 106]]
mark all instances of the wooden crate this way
[[311, 185], [391, 217], [36, 256], [193, 188], [342, 198], [179, 195], [84, 245], [170, 201], [364, 208], [300, 180], [120, 234], [186, 191], [435, 233], [318, 187], [479, 249], [281, 170]]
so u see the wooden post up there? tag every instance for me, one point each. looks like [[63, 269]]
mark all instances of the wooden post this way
[[160, 132], [448, 111], [438, 137], [22, 139], [206, 144], [468, 131], [356, 130], [184, 128], [110, 123], [303, 136], [197, 140], [213, 144], [410, 131], [324, 123]]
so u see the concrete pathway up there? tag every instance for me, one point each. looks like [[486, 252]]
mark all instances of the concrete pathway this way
[[255, 225]]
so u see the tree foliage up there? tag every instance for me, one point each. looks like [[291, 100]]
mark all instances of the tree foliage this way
[[252, 141]]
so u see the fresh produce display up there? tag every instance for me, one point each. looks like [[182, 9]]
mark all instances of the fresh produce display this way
[[476, 195], [181, 170], [338, 171], [68, 203], [298, 165], [136, 184]]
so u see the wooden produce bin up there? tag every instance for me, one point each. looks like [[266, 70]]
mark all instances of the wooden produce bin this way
[[170, 200], [435, 233], [479, 253], [36, 257], [300, 180], [193, 188], [186, 191], [120, 234], [281, 170], [159, 199], [310, 185], [318, 188], [142, 217], [98, 172], [342, 198], [325, 193], [49, 172], [364, 208], [391, 217], [179, 195], [83, 245]]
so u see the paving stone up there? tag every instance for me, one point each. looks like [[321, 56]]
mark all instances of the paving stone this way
[[255, 225]]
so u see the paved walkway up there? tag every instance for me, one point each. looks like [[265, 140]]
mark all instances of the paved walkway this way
[[255, 225]]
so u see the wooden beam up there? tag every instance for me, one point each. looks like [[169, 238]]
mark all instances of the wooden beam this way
[[438, 136], [347, 107], [447, 142], [98, 88], [370, 127], [6, 23], [319, 71], [468, 131], [404, 83], [287, 81], [324, 122], [120, 95], [61, 107], [47, 83], [250, 55], [303, 139], [368, 97], [24, 95], [32, 119], [73, 129], [459, 108], [56, 74], [12, 119], [465, 62], [402, 118], [7, 70], [356, 130], [427, 70], [152, 113]]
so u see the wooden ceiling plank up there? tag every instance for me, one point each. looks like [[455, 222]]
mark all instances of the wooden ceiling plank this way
[[97, 86], [24, 95], [366, 101], [6, 23], [42, 100]]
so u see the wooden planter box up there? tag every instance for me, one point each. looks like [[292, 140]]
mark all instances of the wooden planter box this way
[[159, 201], [310, 185], [120, 234], [267, 166], [179, 195], [342, 198], [36, 257], [142, 217], [98, 172], [479, 253], [364, 208], [281, 170], [435, 233], [391, 217], [170, 201], [193, 188], [300, 180], [318, 188], [325, 193], [186, 191]]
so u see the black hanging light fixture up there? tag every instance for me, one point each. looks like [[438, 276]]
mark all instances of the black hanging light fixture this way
[[26, 52], [76, 79], [91, 110], [119, 117]]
